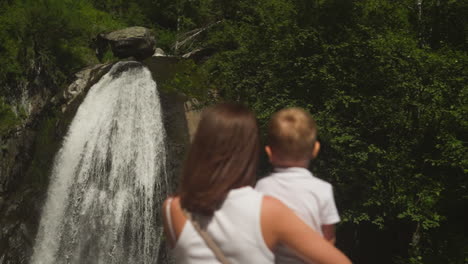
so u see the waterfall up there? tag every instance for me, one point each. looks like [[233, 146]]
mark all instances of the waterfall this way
[[108, 179]]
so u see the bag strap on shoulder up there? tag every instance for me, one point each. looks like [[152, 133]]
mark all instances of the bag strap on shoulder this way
[[207, 238]]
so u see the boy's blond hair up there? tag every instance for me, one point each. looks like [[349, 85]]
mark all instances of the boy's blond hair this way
[[292, 133]]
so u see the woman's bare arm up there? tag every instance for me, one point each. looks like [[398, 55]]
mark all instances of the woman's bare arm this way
[[280, 224], [167, 233], [177, 217]]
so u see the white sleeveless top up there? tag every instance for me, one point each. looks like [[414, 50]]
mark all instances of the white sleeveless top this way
[[235, 228]]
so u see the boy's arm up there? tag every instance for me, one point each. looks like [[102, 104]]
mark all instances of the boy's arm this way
[[329, 233], [329, 216]]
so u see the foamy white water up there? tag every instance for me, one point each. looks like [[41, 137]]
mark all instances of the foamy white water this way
[[108, 179]]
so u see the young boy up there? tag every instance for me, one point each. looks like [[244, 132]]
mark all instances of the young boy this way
[[292, 139]]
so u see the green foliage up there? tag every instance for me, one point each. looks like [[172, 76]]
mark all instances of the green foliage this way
[[166, 39], [390, 103], [188, 80], [52, 36], [8, 118], [45, 147]]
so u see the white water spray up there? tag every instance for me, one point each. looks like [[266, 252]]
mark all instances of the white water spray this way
[[108, 179]]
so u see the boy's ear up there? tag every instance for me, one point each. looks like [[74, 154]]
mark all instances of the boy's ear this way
[[316, 149], [269, 153]]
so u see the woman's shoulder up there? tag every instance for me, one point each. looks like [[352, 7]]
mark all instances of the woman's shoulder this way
[[169, 204], [171, 208], [272, 208], [271, 205], [173, 218], [170, 200]]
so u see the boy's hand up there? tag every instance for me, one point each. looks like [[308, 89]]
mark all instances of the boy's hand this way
[[329, 233]]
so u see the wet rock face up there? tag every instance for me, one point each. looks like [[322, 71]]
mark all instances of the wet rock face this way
[[82, 80], [137, 42], [29, 97], [75, 92], [18, 226]]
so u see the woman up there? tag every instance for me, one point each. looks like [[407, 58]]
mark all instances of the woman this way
[[216, 188]]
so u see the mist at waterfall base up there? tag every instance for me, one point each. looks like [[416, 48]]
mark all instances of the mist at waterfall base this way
[[108, 179]]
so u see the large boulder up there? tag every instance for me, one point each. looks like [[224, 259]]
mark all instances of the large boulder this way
[[137, 42]]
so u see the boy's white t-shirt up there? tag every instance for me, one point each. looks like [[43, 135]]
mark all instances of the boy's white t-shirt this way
[[308, 196]]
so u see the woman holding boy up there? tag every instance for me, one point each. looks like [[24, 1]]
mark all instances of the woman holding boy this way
[[217, 217]]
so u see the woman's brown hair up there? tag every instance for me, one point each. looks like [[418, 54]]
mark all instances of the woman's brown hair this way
[[223, 156]]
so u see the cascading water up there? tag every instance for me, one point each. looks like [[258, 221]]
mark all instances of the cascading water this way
[[109, 177]]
